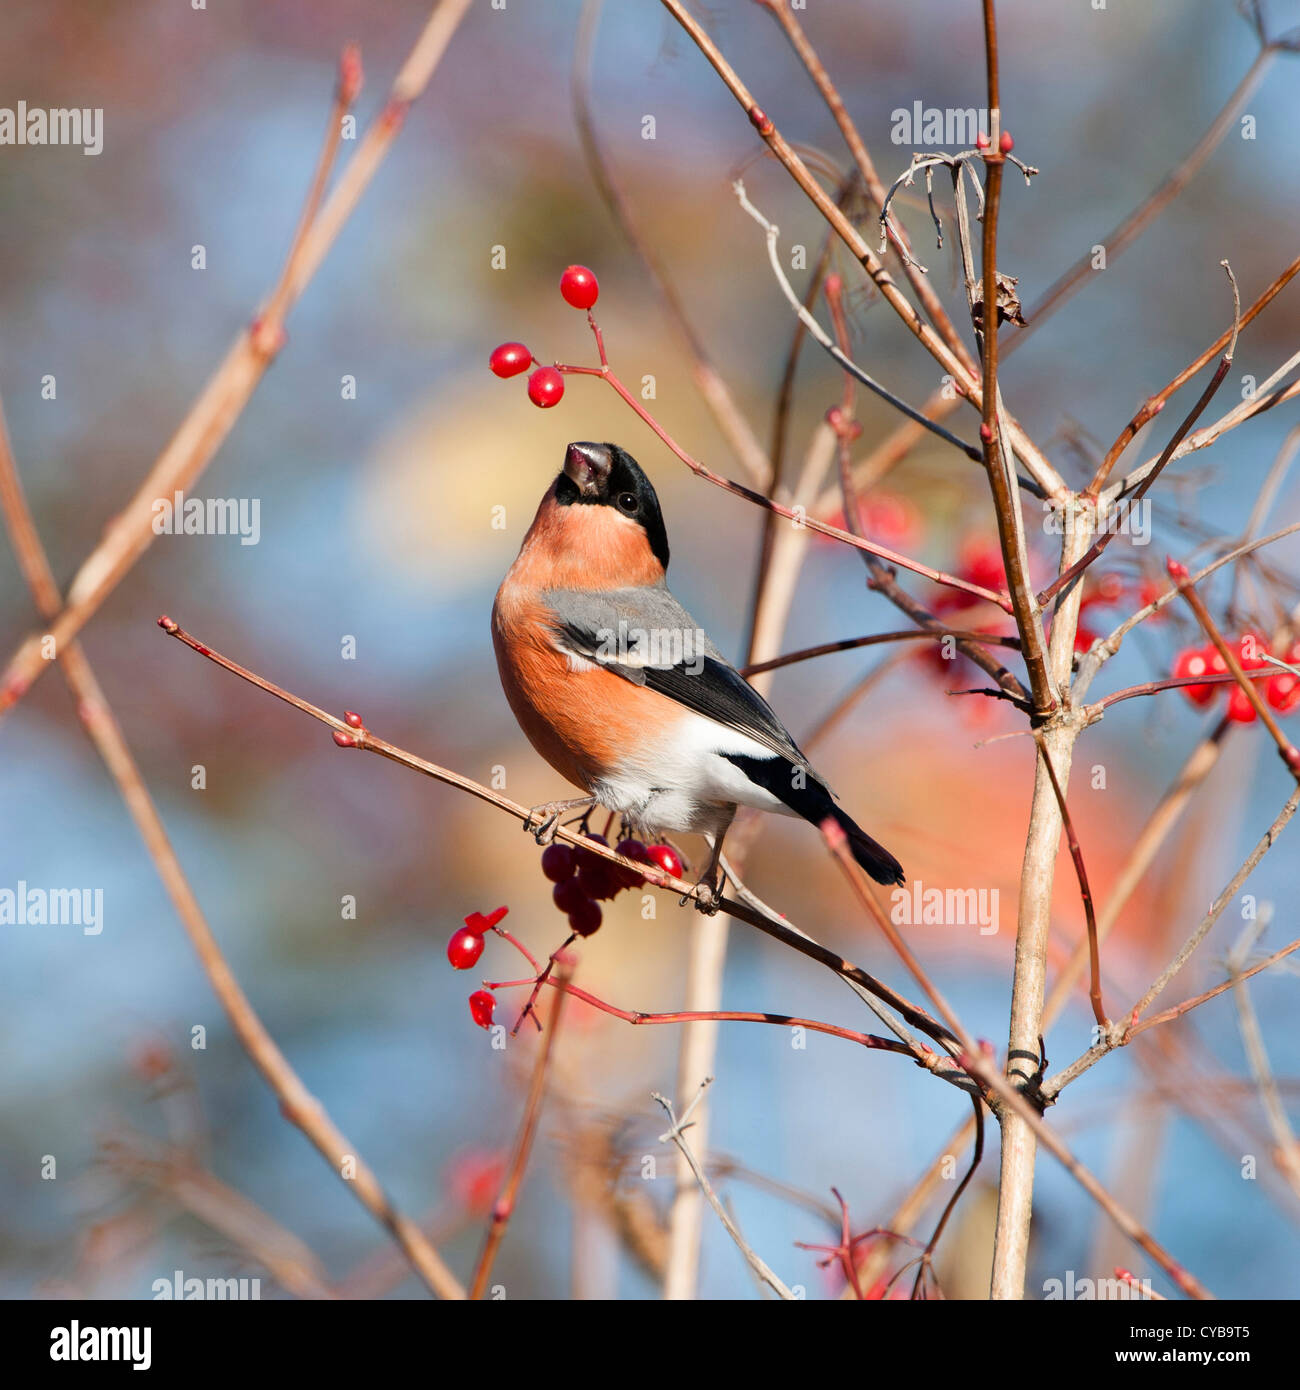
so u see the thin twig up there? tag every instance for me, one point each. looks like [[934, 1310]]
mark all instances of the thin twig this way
[[350, 732], [1041, 470], [676, 1136], [504, 1206]]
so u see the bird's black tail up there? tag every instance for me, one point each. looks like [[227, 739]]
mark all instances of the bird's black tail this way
[[871, 854], [800, 790]]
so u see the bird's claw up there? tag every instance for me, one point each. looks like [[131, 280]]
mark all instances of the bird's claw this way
[[707, 895], [541, 823]]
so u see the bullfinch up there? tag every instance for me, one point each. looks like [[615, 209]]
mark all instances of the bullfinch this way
[[616, 686]]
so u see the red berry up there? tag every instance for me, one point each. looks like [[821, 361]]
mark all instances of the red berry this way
[[568, 894], [481, 1007], [980, 562], [982, 141], [1284, 693], [666, 858], [578, 286], [1005, 143], [464, 948], [1107, 591], [586, 917], [1240, 710], [1252, 650], [557, 863], [510, 359], [892, 519], [1284, 689], [1195, 661], [545, 387]]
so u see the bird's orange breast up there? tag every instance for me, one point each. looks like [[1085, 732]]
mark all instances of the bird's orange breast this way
[[585, 722]]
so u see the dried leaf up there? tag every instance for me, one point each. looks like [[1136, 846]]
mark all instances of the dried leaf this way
[[1009, 310]]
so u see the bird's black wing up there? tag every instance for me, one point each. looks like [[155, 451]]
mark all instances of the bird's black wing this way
[[648, 638]]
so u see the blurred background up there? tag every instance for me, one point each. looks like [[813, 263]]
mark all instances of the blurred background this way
[[376, 521]]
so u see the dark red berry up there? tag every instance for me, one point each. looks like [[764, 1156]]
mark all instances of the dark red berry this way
[[666, 858], [630, 849], [578, 286], [510, 359], [568, 894], [557, 862], [545, 387], [464, 948], [586, 917], [599, 880], [481, 1007], [585, 856]]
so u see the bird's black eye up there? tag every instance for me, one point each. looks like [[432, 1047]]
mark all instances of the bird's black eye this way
[[627, 502]]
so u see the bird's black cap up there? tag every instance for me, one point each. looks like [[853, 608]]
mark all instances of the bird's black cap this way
[[607, 476]]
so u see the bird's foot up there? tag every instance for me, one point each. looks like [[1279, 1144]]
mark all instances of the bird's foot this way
[[707, 893], [541, 821]]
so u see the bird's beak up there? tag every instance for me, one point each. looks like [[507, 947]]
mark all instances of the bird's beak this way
[[588, 466]]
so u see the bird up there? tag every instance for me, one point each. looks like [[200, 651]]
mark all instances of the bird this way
[[618, 688]]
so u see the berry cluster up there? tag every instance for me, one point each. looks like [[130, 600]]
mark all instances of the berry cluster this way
[[582, 879], [580, 289], [980, 562], [463, 951], [1282, 691]]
